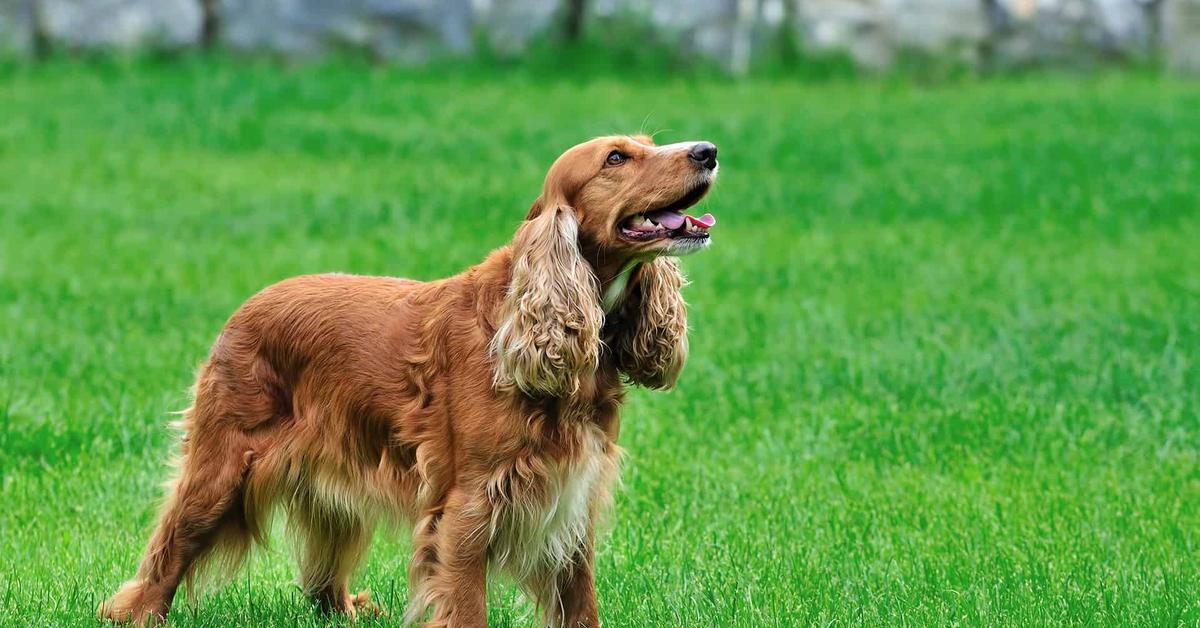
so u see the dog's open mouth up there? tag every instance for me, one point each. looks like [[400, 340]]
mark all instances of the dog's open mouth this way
[[669, 222]]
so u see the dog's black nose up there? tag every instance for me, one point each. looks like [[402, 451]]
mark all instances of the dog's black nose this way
[[705, 154]]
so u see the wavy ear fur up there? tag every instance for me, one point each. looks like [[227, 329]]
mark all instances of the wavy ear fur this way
[[549, 332], [650, 343]]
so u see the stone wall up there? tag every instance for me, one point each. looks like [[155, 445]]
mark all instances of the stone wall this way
[[121, 23], [1182, 35], [16, 26], [873, 32], [710, 27], [510, 24], [408, 30]]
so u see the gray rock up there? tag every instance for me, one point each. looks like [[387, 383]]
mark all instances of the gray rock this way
[[874, 31], [1058, 31], [1124, 23], [121, 23], [510, 24], [937, 26], [408, 30], [858, 27], [16, 26], [1181, 30], [717, 28]]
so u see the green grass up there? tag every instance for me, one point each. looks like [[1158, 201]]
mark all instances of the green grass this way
[[945, 354]]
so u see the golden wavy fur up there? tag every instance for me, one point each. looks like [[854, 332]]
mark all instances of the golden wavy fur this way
[[482, 408]]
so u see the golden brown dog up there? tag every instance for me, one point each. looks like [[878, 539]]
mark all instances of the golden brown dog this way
[[483, 407]]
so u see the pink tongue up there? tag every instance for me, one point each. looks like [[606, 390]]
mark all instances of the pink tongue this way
[[706, 221], [666, 218]]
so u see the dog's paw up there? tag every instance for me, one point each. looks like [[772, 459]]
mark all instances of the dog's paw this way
[[360, 604], [353, 605], [130, 605]]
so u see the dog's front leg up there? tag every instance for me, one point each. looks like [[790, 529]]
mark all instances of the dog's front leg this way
[[450, 565], [576, 592]]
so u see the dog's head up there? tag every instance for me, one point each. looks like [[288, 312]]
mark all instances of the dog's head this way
[[612, 214], [630, 197]]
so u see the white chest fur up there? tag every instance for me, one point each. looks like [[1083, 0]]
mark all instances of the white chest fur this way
[[538, 531]]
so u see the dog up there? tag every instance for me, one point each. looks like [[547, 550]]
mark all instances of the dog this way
[[482, 408]]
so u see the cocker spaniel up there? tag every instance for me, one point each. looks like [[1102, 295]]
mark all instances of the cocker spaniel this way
[[482, 408]]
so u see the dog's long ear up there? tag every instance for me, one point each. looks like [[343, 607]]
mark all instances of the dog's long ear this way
[[651, 343], [549, 331]]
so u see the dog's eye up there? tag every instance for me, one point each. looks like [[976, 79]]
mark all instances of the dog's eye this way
[[615, 158]]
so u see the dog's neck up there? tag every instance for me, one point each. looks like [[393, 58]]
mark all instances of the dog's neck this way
[[615, 288], [613, 273]]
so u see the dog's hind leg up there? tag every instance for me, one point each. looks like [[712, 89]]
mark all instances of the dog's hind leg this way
[[332, 543], [204, 512]]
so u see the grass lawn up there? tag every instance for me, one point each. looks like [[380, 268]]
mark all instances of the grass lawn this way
[[945, 357]]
